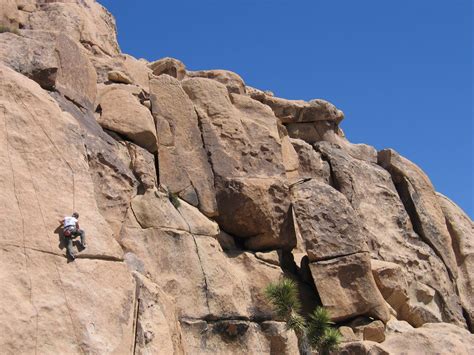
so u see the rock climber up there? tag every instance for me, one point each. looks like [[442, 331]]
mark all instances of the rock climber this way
[[70, 231]]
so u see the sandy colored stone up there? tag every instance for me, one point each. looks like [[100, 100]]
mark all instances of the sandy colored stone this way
[[183, 160], [142, 163], [347, 334], [293, 111], [117, 76], [121, 112], [157, 327], [53, 60], [362, 348], [282, 340], [439, 338], [418, 195], [202, 279], [224, 337], [45, 176], [170, 66], [391, 282], [310, 163], [114, 183], [76, 308], [398, 326], [198, 223], [85, 21], [461, 230], [374, 331], [241, 138], [136, 70], [232, 81], [270, 257], [240, 134], [328, 224], [9, 16], [155, 210], [390, 235], [347, 288], [290, 159]]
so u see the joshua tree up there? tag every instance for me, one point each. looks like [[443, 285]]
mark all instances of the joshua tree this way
[[317, 332], [320, 334]]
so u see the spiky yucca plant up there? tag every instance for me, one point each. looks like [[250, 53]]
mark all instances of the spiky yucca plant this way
[[330, 341], [285, 299], [319, 322], [318, 332]]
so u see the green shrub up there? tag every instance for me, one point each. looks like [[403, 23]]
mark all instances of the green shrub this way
[[317, 330], [173, 197], [4, 29]]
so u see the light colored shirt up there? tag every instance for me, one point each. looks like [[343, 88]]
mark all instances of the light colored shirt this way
[[70, 221]]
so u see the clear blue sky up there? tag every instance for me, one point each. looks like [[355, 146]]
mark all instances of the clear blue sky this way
[[400, 70]]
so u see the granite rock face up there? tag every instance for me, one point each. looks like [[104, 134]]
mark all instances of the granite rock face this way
[[196, 191]]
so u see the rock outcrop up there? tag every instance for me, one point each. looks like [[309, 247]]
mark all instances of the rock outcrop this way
[[196, 191]]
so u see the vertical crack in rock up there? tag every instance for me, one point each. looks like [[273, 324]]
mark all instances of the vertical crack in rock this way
[[332, 175], [208, 152], [206, 286], [135, 318], [403, 188], [157, 167]]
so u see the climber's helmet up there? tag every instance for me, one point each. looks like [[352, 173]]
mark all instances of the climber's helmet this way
[[75, 215]]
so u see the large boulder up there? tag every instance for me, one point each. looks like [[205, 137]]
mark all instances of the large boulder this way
[[232, 81], [184, 166], [132, 71], [244, 147], [298, 111], [85, 21], [420, 200], [347, 288], [336, 247], [391, 238], [327, 222], [439, 338], [169, 66], [121, 112], [54, 61], [311, 165], [461, 229]]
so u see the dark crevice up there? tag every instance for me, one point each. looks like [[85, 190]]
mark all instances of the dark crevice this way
[[100, 257], [157, 167], [135, 321], [206, 286], [203, 142], [333, 181], [465, 314], [455, 243], [217, 319], [402, 185], [80, 256], [328, 258]]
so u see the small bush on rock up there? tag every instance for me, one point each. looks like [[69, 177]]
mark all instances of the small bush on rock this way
[[174, 200], [4, 29]]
